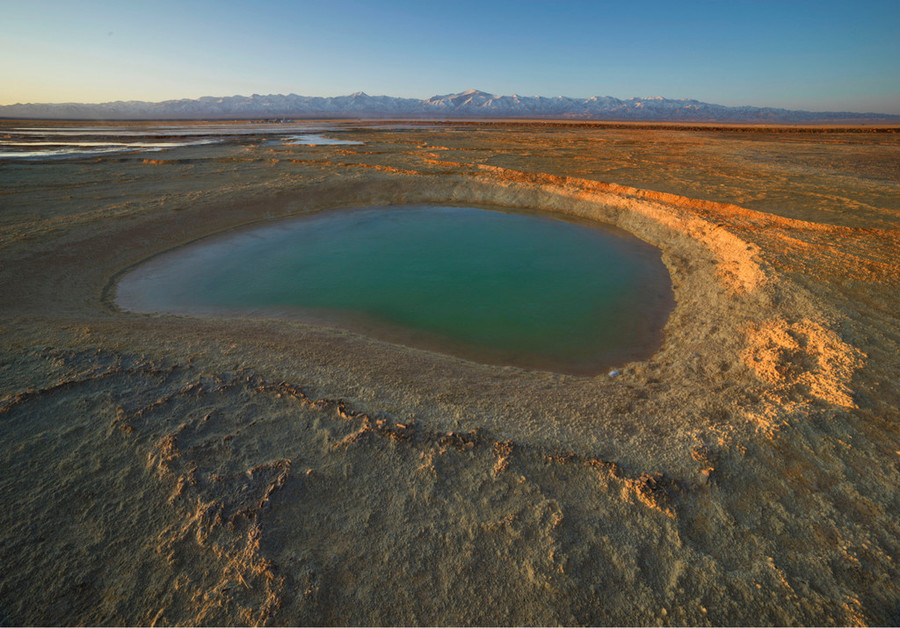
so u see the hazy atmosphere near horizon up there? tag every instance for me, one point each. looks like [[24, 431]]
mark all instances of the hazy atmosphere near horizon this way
[[819, 56]]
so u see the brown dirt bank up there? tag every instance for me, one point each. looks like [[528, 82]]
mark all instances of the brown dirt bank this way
[[174, 470]]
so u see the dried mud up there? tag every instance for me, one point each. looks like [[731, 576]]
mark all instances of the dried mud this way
[[170, 470]]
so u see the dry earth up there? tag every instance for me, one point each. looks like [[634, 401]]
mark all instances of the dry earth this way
[[167, 470]]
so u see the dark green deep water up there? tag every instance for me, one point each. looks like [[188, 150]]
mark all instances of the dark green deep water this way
[[493, 286]]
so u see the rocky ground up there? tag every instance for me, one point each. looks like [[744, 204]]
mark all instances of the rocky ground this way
[[169, 470]]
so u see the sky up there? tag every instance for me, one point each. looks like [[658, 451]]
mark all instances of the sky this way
[[822, 55]]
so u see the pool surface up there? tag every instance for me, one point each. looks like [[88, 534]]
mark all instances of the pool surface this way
[[493, 286]]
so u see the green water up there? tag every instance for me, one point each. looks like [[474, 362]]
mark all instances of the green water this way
[[491, 286]]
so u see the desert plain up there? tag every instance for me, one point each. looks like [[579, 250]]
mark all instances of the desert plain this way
[[170, 470]]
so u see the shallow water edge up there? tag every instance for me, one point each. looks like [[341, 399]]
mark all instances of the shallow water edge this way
[[520, 288]]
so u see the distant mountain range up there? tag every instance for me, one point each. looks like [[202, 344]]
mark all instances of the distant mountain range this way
[[469, 104]]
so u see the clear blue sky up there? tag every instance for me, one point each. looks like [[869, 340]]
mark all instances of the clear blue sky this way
[[816, 55]]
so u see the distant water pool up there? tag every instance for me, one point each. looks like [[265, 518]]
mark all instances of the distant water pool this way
[[316, 139], [496, 287], [58, 141]]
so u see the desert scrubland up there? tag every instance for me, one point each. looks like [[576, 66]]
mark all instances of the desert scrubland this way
[[159, 469]]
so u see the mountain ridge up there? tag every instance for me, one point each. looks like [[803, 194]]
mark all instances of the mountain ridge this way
[[471, 103]]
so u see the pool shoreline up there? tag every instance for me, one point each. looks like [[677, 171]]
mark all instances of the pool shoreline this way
[[135, 290]]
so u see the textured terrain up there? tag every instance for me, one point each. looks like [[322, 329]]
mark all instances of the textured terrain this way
[[168, 470]]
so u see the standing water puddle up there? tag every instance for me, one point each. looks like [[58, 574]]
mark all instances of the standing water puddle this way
[[496, 287]]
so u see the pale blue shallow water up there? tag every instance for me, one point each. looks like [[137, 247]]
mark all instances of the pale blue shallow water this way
[[492, 286]]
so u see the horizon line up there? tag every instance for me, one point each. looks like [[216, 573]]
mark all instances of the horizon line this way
[[444, 95]]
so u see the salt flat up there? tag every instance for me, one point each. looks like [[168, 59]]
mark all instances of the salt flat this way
[[165, 469]]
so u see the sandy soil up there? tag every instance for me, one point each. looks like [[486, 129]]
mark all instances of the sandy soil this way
[[167, 470]]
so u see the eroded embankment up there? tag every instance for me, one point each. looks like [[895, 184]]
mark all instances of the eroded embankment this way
[[723, 287], [737, 321], [786, 349]]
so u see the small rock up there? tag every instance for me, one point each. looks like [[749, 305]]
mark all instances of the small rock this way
[[614, 373]]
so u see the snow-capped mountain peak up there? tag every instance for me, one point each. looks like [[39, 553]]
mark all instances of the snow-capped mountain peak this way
[[469, 103]]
